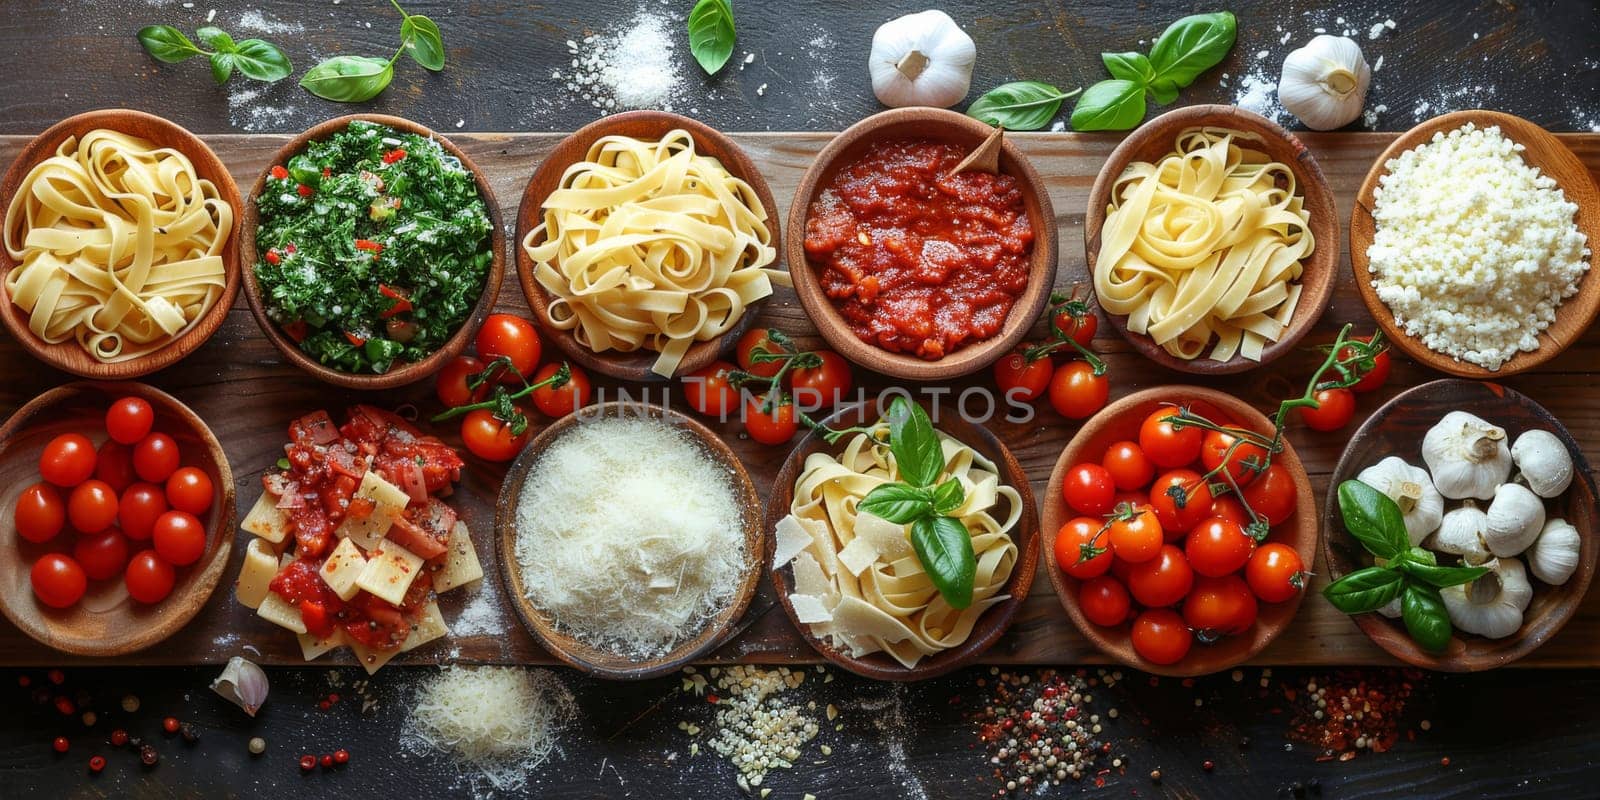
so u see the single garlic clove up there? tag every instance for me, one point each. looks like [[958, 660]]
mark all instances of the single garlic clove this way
[[242, 683]]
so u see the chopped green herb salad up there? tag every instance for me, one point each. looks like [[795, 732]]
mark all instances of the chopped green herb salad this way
[[374, 246]]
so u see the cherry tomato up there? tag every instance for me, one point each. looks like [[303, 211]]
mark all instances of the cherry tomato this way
[[57, 580], [129, 419], [451, 385], [825, 385], [1219, 607], [39, 514], [189, 489], [67, 460], [1229, 508], [114, 465], [1135, 535], [1335, 408], [1104, 600], [1375, 377], [155, 457], [489, 438], [1160, 637], [1177, 518], [1088, 489], [1244, 464], [1076, 392], [774, 426], [1075, 539], [149, 579], [141, 505], [1272, 494], [1167, 445], [561, 402], [1275, 572], [1022, 380], [709, 392], [179, 538], [513, 337], [758, 339], [92, 507], [1130, 469], [102, 555], [1080, 329], [1163, 580], [1217, 547]]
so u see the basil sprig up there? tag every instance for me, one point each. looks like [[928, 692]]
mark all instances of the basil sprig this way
[[711, 34], [1408, 573], [357, 79], [1019, 105], [1187, 48], [942, 543], [257, 59]]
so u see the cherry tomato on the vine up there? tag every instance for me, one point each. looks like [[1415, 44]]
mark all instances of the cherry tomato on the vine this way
[[1246, 461], [771, 426], [513, 337], [1022, 380], [1161, 581], [1219, 606], [1076, 392], [1228, 507], [57, 580], [490, 438], [1181, 500], [148, 578], [139, 508], [40, 513], [1130, 469], [1080, 329], [1335, 407], [1275, 572], [1076, 538], [573, 395], [1135, 534], [155, 457], [67, 460], [1375, 377], [1088, 489], [1160, 637], [709, 392], [1104, 601], [825, 385], [1272, 495], [1217, 547], [451, 385], [1168, 445], [129, 419], [758, 339]]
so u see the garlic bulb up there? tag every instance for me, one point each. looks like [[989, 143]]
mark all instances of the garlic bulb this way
[[922, 59], [1492, 605], [1544, 461], [1411, 489], [1325, 82], [1461, 533], [1554, 555], [1467, 456], [1515, 518], [243, 684]]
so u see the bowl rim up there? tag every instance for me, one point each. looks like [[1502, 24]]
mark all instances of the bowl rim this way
[[405, 373], [1322, 265], [68, 356], [723, 628], [994, 623], [1582, 306], [1303, 537], [634, 366], [202, 577], [827, 319]]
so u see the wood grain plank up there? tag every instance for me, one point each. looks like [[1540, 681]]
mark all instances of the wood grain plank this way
[[239, 385]]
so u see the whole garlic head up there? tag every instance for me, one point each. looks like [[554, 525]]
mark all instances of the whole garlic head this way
[[1544, 461], [1325, 82], [1461, 533], [1492, 605], [1411, 489], [1515, 518], [1466, 456], [921, 59], [1554, 555]]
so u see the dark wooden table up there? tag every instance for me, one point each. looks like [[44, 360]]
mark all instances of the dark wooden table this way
[[1513, 732]]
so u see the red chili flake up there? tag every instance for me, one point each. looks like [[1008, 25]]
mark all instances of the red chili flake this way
[[393, 156], [303, 190], [308, 762], [341, 756], [148, 756], [324, 705], [272, 257], [66, 706], [1444, 762], [97, 763], [369, 245], [290, 248], [327, 761], [24, 681], [61, 744], [56, 676], [712, 699], [119, 737], [170, 724], [279, 172], [1208, 765], [327, 171], [333, 698]]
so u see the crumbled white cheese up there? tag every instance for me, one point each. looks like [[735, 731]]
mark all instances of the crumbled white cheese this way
[[1474, 249]]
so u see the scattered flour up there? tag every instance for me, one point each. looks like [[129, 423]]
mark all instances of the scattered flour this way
[[482, 616], [257, 22], [250, 108], [636, 65]]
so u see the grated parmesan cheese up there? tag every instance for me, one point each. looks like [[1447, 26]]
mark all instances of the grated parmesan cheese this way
[[501, 721], [629, 536]]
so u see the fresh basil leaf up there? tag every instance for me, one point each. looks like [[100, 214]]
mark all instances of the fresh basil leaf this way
[[1421, 555], [216, 38], [948, 496], [1114, 105], [167, 44], [711, 34], [914, 443], [1191, 46], [897, 503], [1440, 577], [262, 60], [348, 79], [1019, 105], [1373, 519], [221, 67], [1426, 618], [1365, 590], [1164, 90], [1129, 66], [305, 169], [423, 41], [944, 547]]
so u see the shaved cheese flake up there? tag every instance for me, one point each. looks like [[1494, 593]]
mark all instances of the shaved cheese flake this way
[[887, 538], [858, 555], [792, 538], [854, 617], [808, 579], [809, 610]]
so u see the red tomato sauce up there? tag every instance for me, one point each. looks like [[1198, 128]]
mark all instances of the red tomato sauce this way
[[917, 261]]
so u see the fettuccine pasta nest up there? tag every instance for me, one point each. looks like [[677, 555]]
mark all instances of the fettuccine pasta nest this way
[[1206, 244]]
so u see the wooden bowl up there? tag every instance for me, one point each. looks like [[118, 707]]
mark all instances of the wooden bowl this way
[[647, 125], [398, 374], [939, 125], [1554, 160], [1120, 422], [106, 622], [994, 621], [604, 663], [1155, 139], [68, 356], [1397, 429]]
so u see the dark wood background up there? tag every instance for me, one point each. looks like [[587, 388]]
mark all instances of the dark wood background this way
[[1515, 732]]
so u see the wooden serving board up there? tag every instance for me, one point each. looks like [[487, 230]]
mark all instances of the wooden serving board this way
[[248, 394]]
